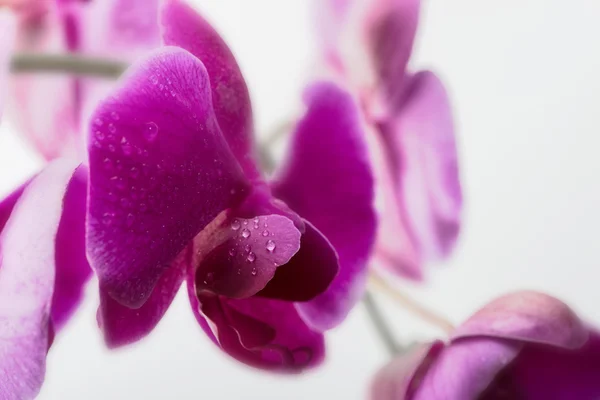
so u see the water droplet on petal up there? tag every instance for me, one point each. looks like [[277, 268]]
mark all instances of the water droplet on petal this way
[[251, 257], [107, 218], [248, 247], [235, 225], [126, 147], [98, 122], [270, 246], [245, 233], [239, 271], [100, 136], [151, 131], [134, 172], [114, 115], [256, 220], [112, 128], [232, 252], [254, 271], [108, 164], [265, 233], [130, 220]]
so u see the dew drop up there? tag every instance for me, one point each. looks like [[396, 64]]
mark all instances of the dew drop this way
[[251, 258], [270, 246], [256, 220], [100, 135], [245, 233], [126, 147], [115, 116], [232, 252], [151, 131], [98, 122], [248, 247], [239, 271], [254, 271], [107, 218], [245, 222], [235, 225], [130, 220], [108, 164], [112, 128], [134, 172], [265, 233]]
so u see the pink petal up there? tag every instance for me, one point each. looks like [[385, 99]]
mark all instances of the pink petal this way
[[8, 28], [72, 267], [424, 159], [264, 333], [240, 256], [527, 316], [122, 325], [27, 282], [328, 181], [185, 28], [160, 171], [400, 378], [466, 368], [309, 273], [543, 373]]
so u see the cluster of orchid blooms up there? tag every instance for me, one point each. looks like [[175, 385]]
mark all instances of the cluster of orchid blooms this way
[[152, 181]]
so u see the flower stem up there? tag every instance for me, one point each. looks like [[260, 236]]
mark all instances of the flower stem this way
[[411, 305], [381, 326], [67, 63]]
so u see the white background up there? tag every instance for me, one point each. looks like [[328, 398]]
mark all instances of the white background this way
[[524, 77]]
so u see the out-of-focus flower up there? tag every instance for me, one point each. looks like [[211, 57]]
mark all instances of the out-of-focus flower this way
[[175, 194], [8, 29], [367, 45], [525, 345], [42, 270], [115, 29]]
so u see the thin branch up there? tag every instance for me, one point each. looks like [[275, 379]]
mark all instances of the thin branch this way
[[411, 305], [383, 330], [67, 63]]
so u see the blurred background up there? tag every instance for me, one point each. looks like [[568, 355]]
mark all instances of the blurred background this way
[[523, 77]]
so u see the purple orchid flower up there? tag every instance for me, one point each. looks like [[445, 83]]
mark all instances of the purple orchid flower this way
[[119, 29], [42, 271], [525, 345], [367, 45], [175, 195]]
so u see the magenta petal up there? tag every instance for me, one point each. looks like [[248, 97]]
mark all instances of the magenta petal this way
[[160, 171], [543, 373], [309, 273], [328, 181], [122, 325], [422, 139], [527, 316], [72, 268], [264, 333], [465, 369], [245, 254], [185, 28], [27, 282], [8, 204]]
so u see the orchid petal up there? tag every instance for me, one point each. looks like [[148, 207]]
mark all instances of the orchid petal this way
[[160, 171], [185, 28], [328, 181], [122, 325], [425, 160], [27, 281], [241, 256], [264, 333], [309, 273], [529, 317]]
